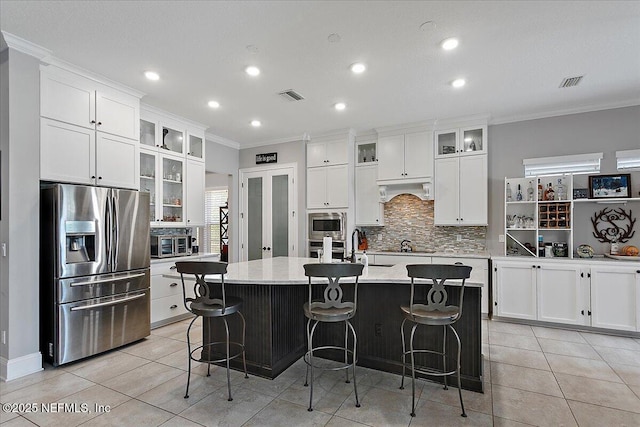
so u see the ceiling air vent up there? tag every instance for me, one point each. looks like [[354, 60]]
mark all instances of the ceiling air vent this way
[[291, 95], [570, 81]]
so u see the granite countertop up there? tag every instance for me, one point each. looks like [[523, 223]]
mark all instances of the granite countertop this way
[[290, 271], [596, 259]]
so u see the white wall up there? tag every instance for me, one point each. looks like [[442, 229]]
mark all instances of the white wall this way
[[604, 131], [221, 159], [19, 225], [288, 152]]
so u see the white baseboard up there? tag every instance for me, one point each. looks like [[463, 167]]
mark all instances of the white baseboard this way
[[10, 369]]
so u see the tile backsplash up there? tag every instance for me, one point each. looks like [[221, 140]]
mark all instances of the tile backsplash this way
[[408, 217]]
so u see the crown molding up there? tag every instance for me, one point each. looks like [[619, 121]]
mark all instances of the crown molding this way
[[423, 125], [157, 111], [25, 46], [453, 122], [222, 141], [564, 112]]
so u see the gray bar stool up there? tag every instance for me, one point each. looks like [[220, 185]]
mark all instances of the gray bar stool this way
[[210, 302], [332, 309], [433, 311]]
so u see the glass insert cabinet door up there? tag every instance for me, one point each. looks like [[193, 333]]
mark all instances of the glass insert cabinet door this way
[[268, 228], [447, 142], [195, 147], [472, 140], [148, 180], [172, 189], [172, 140], [148, 133]]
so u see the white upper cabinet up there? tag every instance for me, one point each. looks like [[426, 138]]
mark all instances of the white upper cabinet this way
[[461, 141], [461, 191], [404, 157], [327, 187], [73, 99], [89, 132], [195, 192], [195, 145], [369, 210], [327, 153]]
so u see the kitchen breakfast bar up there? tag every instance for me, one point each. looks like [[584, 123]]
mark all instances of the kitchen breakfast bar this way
[[274, 291]]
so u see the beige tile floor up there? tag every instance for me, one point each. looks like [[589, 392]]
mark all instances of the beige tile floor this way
[[533, 376]]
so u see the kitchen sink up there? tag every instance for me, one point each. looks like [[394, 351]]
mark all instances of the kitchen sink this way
[[381, 265]]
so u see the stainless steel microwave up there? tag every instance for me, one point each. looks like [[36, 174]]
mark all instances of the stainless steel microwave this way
[[164, 246], [332, 224]]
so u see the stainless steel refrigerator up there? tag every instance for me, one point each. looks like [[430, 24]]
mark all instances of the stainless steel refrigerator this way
[[94, 270]]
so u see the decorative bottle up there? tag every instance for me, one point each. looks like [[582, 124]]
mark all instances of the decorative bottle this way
[[364, 259], [539, 190], [549, 194], [530, 192], [509, 197], [560, 190], [519, 194], [615, 247]]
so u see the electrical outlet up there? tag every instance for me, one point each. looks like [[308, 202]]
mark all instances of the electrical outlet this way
[[459, 237], [4, 337], [378, 329], [379, 237], [501, 238]]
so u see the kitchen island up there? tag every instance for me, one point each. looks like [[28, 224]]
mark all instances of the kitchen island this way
[[274, 291]]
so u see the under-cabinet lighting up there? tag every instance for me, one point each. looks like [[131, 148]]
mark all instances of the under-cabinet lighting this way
[[580, 163], [628, 160]]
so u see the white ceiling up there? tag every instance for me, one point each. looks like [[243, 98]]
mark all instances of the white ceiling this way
[[512, 54]]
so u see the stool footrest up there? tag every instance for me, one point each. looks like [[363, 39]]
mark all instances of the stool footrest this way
[[430, 371], [235, 349], [341, 365]]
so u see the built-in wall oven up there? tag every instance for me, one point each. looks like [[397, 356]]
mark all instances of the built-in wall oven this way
[[328, 224]]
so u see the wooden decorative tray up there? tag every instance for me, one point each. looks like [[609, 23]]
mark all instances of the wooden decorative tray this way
[[623, 257]]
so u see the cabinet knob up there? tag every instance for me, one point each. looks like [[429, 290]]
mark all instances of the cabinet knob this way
[[173, 285], [93, 122], [93, 177], [538, 267], [188, 220], [582, 312], [173, 267], [173, 307], [99, 123], [99, 177], [637, 271]]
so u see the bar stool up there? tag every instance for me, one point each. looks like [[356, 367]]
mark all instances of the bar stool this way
[[433, 311], [211, 303], [332, 309]]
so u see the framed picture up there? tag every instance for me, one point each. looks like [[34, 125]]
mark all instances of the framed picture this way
[[580, 193], [609, 186]]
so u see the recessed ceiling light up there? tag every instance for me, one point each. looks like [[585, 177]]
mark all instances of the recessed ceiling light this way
[[458, 83], [256, 123], [252, 70], [340, 106], [213, 104], [152, 75], [450, 43], [358, 68]]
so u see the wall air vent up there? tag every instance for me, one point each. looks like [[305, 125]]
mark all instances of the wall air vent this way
[[291, 95], [570, 81]]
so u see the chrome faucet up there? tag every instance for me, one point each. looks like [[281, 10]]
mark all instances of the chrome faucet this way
[[404, 246]]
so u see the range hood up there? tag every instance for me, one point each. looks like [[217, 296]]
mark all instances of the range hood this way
[[419, 187]]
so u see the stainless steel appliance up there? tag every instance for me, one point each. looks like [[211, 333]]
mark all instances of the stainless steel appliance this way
[[94, 270], [332, 224], [163, 246], [338, 249]]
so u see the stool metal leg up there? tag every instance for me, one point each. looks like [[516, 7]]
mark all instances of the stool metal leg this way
[[464, 414], [413, 372], [244, 359], [186, 394], [226, 329], [313, 328], [355, 343], [346, 344], [306, 375], [444, 355], [404, 353]]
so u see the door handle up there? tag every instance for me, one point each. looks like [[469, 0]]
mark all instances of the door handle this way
[[110, 279], [106, 304]]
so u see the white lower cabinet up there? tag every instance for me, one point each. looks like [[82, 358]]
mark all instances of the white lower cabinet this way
[[596, 294], [615, 299], [515, 290]]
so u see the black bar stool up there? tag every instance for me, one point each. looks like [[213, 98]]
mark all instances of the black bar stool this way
[[433, 311], [211, 303], [332, 309]]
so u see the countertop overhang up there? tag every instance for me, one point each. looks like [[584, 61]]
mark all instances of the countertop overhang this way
[[290, 271]]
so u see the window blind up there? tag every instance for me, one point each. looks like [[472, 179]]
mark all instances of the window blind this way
[[213, 200]]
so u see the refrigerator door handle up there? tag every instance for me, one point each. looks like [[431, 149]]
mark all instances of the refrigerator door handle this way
[[116, 230], [107, 231], [110, 279], [108, 303]]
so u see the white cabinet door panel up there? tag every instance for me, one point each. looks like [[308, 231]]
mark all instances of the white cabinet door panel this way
[[117, 162], [337, 186], [418, 155], [118, 114], [316, 155], [316, 188], [368, 207], [67, 98], [473, 190], [516, 291], [337, 152], [561, 295], [195, 192], [67, 152], [446, 192], [391, 157], [613, 297]]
